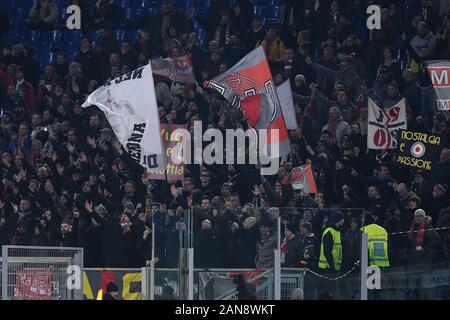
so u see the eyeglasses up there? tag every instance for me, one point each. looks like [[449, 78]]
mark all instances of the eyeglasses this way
[[204, 176]]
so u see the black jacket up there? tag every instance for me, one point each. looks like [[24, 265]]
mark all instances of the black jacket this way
[[294, 252], [328, 248], [209, 251]]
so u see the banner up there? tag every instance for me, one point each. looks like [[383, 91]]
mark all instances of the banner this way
[[249, 86], [302, 178], [417, 150], [33, 284], [284, 92], [174, 172], [438, 71], [219, 284], [129, 104], [127, 280], [178, 69], [384, 124]]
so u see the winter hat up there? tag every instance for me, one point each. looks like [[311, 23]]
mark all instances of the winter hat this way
[[112, 287], [300, 77], [419, 212], [336, 216], [297, 294], [307, 226], [292, 227]]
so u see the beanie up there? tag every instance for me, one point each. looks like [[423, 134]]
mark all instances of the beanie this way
[[336, 216], [112, 287]]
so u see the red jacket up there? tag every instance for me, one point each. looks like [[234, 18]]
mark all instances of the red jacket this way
[[6, 79]]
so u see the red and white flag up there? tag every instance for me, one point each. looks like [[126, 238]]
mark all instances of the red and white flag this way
[[178, 69], [302, 178], [384, 124], [439, 70], [249, 86]]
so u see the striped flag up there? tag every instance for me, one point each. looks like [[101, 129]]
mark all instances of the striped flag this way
[[248, 85], [176, 69], [302, 178]]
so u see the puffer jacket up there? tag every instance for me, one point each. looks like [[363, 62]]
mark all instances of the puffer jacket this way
[[264, 252]]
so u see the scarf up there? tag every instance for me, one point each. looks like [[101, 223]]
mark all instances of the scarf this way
[[420, 235]]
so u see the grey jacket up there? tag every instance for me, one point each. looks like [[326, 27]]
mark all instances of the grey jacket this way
[[264, 252]]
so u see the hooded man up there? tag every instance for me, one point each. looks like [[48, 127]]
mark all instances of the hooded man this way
[[112, 292]]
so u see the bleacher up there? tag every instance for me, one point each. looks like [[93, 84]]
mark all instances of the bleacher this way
[[47, 42]]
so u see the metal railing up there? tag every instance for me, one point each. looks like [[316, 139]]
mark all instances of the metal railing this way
[[41, 273]]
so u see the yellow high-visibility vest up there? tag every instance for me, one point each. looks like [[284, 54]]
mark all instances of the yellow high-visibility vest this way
[[378, 245], [336, 252]]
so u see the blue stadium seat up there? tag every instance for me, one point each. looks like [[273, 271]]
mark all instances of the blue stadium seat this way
[[140, 4], [120, 34], [43, 54], [33, 36], [8, 5], [182, 4], [92, 35], [258, 10], [12, 37], [56, 36], [272, 3], [130, 14], [52, 56], [24, 5], [124, 3], [71, 36], [132, 35], [273, 12], [71, 50], [61, 6]]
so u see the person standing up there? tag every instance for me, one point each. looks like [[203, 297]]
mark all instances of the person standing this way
[[330, 258], [377, 240]]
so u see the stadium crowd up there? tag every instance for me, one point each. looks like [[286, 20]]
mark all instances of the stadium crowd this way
[[66, 181]]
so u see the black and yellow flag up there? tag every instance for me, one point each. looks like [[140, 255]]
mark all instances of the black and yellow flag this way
[[417, 150]]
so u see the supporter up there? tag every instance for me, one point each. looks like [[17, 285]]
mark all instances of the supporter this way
[[109, 13], [56, 155], [245, 289], [292, 246], [265, 246], [272, 45], [424, 242], [167, 17], [43, 14]]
